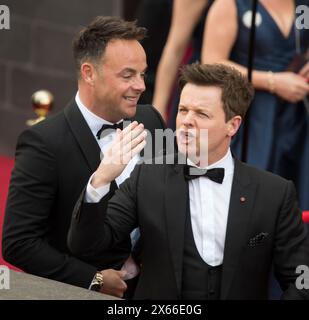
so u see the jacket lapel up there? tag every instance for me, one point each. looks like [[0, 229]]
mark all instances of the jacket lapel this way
[[176, 204], [241, 204], [83, 135]]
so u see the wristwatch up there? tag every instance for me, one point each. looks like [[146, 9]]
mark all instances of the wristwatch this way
[[97, 282]]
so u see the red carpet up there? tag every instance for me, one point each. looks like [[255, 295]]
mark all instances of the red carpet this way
[[6, 166]]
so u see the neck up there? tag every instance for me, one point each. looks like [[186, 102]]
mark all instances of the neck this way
[[215, 158], [88, 100], [203, 162]]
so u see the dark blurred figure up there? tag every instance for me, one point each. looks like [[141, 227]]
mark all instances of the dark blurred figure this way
[[155, 16]]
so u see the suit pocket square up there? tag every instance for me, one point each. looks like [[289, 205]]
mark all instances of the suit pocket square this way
[[257, 240]]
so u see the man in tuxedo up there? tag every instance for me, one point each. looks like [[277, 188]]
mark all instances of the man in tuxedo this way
[[211, 226], [55, 159]]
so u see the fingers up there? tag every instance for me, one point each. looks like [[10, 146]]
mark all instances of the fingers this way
[[121, 133], [303, 85], [304, 72], [130, 135], [138, 148], [122, 273], [292, 87], [113, 283], [129, 143], [128, 147], [133, 125], [121, 288], [301, 90]]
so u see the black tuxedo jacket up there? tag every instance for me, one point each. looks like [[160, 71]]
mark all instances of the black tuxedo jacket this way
[[54, 161], [264, 226]]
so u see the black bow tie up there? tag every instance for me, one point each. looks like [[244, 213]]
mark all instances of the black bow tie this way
[[109, 126], [216, 174]]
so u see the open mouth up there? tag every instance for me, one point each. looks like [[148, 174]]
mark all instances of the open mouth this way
[[132, 99], [186, 137]]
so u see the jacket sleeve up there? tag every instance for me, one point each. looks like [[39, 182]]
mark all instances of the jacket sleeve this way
[[98, 227], [291, 246], [32, 193]]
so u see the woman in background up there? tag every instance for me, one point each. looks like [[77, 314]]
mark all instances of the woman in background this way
[[278, 117]]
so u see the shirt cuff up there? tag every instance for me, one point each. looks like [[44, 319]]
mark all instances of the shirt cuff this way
[[94, 195]]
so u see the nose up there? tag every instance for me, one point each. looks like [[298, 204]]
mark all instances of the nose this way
[[139, 84], [187, 120]]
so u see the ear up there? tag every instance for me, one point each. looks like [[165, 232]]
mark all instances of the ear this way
[[233, 125], [88, 73]]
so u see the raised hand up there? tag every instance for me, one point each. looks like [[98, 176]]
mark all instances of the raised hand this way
[[128, 142]]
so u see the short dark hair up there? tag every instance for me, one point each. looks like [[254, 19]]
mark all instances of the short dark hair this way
[[90, 43], [237, 92]]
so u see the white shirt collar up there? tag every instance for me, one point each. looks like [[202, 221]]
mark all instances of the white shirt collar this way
[[226, 162], [94, 122]]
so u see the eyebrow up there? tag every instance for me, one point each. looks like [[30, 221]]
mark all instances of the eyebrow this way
[[202, 109], [131, 70], [199, 109]]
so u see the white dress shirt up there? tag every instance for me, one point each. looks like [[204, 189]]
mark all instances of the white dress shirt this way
[[209, 205], [95, 123], [94, 195]]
